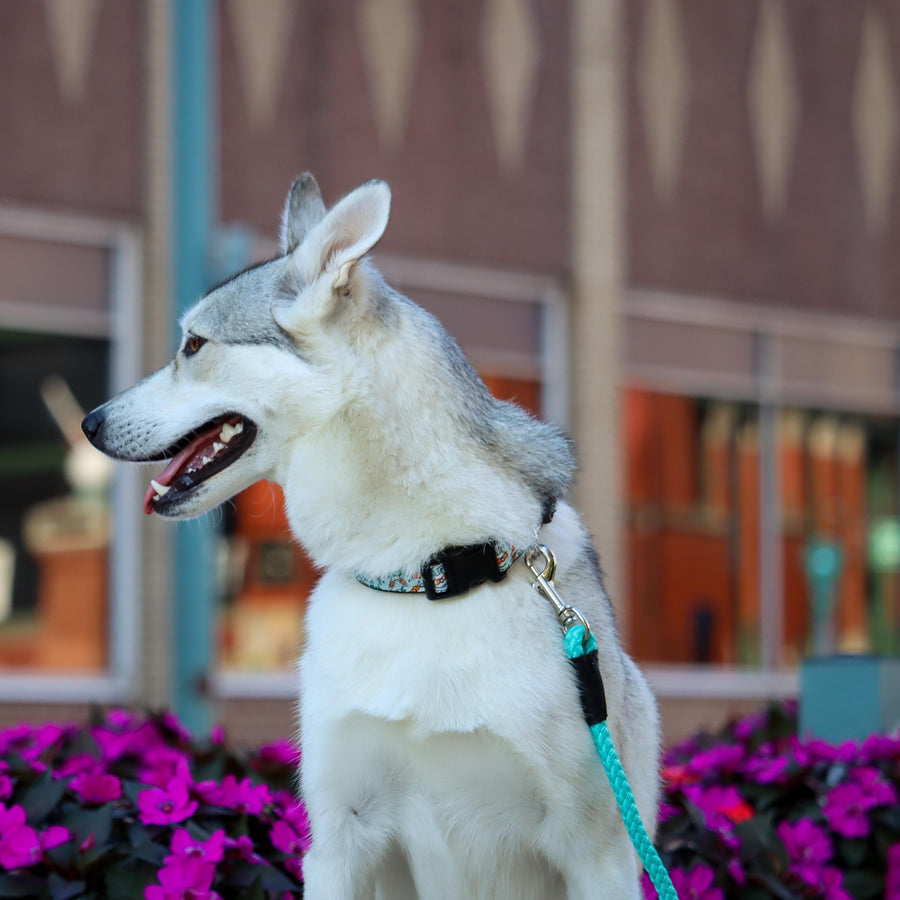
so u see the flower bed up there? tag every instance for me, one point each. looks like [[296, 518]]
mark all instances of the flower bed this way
[[755, 813], [131, 806]]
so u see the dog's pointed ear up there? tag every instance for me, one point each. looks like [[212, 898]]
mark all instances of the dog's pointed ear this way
[[346, 234], [303, 210]]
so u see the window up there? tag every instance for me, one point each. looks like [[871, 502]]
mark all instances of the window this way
[[68, 576], [762, 492], [694, 530]]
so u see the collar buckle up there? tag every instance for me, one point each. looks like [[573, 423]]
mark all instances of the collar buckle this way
[[456, 570]]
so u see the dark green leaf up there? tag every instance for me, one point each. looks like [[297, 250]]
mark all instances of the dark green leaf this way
[[752, 892], [853, 851], [42, 798], [90, 859], [131, 789], [889, 816], [197, 832], [275, 880], [63, 855], [151, 852], [254, 891], [20, 884], [775, 888], [863, 884], [87, 822], [62, 889], [212, 769], [243, 873], [129, 879], [137, 833]]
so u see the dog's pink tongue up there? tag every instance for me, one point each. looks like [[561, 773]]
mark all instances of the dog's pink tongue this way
[[194, 448]]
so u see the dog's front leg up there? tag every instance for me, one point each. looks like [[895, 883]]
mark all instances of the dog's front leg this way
[[613, 874], [345, 857], [354, 790]]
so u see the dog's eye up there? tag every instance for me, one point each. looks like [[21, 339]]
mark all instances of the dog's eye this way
[[193, 344]]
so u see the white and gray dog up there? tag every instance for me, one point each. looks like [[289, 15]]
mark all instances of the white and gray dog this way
[[444, 750]]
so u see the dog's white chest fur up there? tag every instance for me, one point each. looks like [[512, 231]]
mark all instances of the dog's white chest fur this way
[[444, 751]]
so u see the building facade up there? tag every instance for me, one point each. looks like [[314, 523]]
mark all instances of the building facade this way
[[664, 224]]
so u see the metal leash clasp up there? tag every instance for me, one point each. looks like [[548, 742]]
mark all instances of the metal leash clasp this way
[[541, 561]]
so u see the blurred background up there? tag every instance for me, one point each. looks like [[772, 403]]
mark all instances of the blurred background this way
[[667, 225]]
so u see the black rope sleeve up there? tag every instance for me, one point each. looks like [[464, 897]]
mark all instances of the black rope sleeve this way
[[590, 687]]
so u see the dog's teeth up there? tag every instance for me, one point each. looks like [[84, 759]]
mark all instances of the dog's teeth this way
[[217, 446], [204, 460], [229, 431], [161, 489]]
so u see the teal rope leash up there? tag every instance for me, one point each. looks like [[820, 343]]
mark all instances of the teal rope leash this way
[[577, 646], [581, 648]]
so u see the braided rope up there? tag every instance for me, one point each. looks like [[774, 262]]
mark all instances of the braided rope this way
[[576, 646]]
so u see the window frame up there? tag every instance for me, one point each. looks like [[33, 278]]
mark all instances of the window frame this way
[[770, 328], [121, 326]]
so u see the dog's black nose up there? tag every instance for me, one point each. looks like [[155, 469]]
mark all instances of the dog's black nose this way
[[92, 424]]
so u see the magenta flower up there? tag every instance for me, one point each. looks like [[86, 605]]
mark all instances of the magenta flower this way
[[6, 787], [122, 719], [173, 723], [183, 847], [242, 848], [892, 887], [297, 817], [721, 758], [722, 806], [15, 739], [831, 885], [736, 871], [809, 848], [19, 844], [766, 766], [696, 884], [31, 742], [875, 789], [240, 796], [745, 728], [113, 745], [161, 764], [845, 808], [285, 839], [160, 806], [78, 764], [292, 843], [667, 811], [54, 836], [281, 752], [97, 787], [880, 746], [190, 880], [810, 752]]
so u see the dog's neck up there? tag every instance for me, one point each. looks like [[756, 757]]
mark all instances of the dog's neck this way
[[383, 500], [393, 479]]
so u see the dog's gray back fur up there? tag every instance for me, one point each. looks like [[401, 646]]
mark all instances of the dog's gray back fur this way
[[539, 452]]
